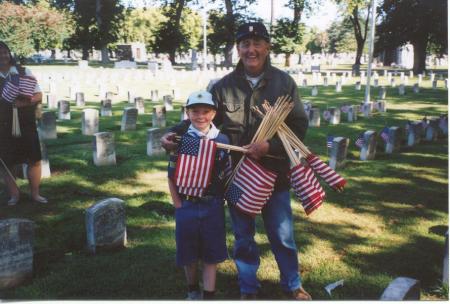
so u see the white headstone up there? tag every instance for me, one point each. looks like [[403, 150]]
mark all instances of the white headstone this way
[[314, 117], [314, 91], [63, 110], [401, 289], [335, 116], [79, 99], [106, 107], [159, 117], [168, 102], [368, 149], [129, 119], [394, 141], [338, 152], [89, 122], [104, 153], [47, 125], [139, 104], [52, 102], [153, 141]]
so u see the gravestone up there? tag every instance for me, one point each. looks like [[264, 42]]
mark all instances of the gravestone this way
[[139, 105], [314, 91], [154, 95], [64, 110], [47, 125], [352, 114], [394, 141], [338, 87], [153, 141], [79, 99], [129, 119], [106, 225], [335, 116], [380, 105], [432, 76], [382, 93], [411, 74], [104, 153], [307, 105], [367, 108], [368, 149], [401, 289], [176, 94], [52, 102], [168, 102], [89, 122], [131, 95], [401, 89], [314, 117], [159, 117], [109, 95], [338, 152], [183, 113], [414, 133], [434, 84], [106, 107], [431, 132], [419, 79], [305, 82], [325, 81], [358, 86], [416, 88], [375, 83], [16, 254], [392, 83]]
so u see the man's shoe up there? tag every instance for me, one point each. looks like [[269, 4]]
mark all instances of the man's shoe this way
[[299, 294], [248, 296], [40, 199], [194, 295], [13, 201]]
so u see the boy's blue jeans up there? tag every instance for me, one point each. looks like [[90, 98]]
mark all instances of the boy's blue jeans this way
[[277, 217]]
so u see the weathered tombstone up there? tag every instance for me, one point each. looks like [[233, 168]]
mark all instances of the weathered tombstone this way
[[382, 93], [183, 113], [154, 95], [131, 96], [16, 254], [168, 102], [305, 82], [89, 122], [352, 114], [419, 79], [153, 141], [314, 117], [392, 83], [325, 81], [375, 83], [381, 106], [64, 110], [106, 225], [109, 95], [432, 75], [431, 132], [79, 99], [139, 105], [394, 140], [411, 74], [401, 289], [414, 133], [176, 93], [159, 117], [47, 125], [338, 152], [358, 86], [338, 87], [104, 153], [106, 107], [314, 91], [401, 89], [52, 102], [129, 119], [434, 84], [368, 149], [367, 108], [416, 88], [335, 116]]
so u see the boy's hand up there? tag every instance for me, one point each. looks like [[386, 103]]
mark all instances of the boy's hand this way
[[168, 142]]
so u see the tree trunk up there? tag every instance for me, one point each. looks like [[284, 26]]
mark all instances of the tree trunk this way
[[420, 55], [178, 6], [98, 17], [85, 54], [287, 59], [230, 25], [105, 55], [68, 54], [359, 35], [53, 55]]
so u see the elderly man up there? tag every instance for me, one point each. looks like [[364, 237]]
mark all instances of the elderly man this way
[[253, 81]]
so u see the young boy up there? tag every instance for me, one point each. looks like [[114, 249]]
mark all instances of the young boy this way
[[200, 221]]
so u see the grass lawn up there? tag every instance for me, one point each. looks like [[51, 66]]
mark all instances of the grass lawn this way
[[389, 222]]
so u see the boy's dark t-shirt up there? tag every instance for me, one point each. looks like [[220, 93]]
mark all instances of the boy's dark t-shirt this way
[[220, 171]]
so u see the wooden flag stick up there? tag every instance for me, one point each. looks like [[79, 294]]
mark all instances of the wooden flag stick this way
[[9, 172]]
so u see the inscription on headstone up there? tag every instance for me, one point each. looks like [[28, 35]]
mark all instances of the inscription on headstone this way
[[338, 152], [104, 153]]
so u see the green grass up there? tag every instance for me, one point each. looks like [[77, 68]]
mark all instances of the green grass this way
[[389, 222]]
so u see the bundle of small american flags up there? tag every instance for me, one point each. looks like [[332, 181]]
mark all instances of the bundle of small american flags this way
[[23, 86], [194, 165]]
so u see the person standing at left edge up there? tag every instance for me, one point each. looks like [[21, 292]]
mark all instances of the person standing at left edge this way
[[26, 147]]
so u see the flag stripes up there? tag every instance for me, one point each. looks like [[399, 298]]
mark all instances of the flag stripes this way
[[329, 175]]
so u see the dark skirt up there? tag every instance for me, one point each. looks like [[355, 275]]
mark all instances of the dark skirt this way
[[24, 149]]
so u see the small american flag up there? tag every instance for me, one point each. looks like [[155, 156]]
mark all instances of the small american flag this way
[[326, 115], [194, 165], [10, 91], [360, 140], [27, 85], [385, 134], [344, 109], [330, 176], [251, 187], [306, 187], [330, 141]]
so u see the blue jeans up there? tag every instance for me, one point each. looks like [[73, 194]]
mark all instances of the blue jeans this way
[[277, 217]]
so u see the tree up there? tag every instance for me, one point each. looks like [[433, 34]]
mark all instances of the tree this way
[[422, 23], [341, 37], [287, 38], [33, 28], [360, 25]]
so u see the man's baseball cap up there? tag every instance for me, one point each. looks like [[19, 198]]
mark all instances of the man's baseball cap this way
[[252, 29], [200, 98]]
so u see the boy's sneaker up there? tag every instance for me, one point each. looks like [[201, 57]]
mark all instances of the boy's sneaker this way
[[194, 295]]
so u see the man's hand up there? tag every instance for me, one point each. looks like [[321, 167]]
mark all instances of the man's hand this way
[[168, 142], [257, 150], [22, 101]]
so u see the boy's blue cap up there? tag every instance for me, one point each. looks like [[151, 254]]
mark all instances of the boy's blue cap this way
[[200, 98]]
